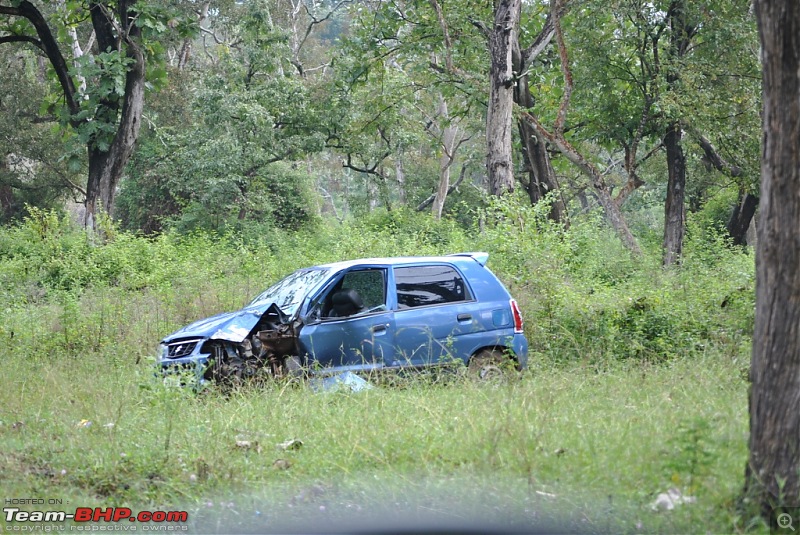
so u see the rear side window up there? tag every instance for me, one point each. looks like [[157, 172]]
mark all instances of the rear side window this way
[[429, 285]]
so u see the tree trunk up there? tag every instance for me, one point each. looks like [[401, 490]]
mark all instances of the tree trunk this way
[[427, 202], [449, 144], [772, 471], [106, 167], [742, 214], [445, 162], [6, 192], [615, 217], [674, 210], [541, 175], [399, 175], [751, 236], [499, 165], [599, 186], [741, 218]]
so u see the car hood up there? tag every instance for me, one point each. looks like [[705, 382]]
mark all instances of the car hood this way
[[230, 326]]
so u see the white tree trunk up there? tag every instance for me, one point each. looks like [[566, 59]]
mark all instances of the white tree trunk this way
[[449, 142]]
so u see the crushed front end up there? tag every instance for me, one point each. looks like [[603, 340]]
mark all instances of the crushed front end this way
[[233, 347]]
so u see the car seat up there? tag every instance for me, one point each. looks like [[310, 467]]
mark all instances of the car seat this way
[[346, 303]]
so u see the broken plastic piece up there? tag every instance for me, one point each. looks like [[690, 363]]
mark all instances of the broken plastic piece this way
[[667, 501], [334, 383], [292, 444]]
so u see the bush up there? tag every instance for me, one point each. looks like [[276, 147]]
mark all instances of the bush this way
[[583, 296]]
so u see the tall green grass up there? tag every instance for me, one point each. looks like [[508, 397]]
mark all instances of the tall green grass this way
[[636, 385]]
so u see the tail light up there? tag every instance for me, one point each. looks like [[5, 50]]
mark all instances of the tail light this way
[[515, 311]]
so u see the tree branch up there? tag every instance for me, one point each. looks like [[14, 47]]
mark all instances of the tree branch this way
[[448, 44], [22, 39], [610, 207], [561, 118], [719, 163], [50, 46], [545, 35], [485, 31], [315, 20], [212, 34], [366, 170], [565, 148], [427, 202]]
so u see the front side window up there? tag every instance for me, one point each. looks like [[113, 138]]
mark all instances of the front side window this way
[[429, 285], [360, 291]]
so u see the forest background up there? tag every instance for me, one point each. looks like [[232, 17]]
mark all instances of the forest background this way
[[605, 153]]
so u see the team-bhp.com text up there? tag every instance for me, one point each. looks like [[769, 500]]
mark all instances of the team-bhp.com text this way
[[94, 514]]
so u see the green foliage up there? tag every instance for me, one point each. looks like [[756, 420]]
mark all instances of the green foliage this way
[[691, 454], [584, 298], [107, 72], [713, 218], [630, 82], [47, 255], [222, 152], [183, 182], [81, 95], [406, 226], [32, 168], [392, 76]]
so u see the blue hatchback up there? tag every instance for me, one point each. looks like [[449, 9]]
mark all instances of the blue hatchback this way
[[361, 315]]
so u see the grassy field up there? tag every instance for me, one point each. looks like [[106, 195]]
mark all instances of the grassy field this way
[[637, 384], [583, 446]]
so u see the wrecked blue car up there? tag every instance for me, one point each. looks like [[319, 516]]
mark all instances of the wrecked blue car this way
[[360, 316]]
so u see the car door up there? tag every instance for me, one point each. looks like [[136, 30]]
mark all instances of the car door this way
[[353, 337], [436, 313]]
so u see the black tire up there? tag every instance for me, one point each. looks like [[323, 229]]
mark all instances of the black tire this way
[[491, 365]]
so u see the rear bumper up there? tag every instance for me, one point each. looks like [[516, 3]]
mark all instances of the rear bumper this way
[[519, 344]]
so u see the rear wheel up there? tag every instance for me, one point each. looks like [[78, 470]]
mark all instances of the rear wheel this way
[[490, 365]]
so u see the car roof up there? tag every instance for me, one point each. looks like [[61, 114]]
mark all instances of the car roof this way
[[456, 258]]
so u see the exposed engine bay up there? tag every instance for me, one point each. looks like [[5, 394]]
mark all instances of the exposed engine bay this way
[[269, 348]]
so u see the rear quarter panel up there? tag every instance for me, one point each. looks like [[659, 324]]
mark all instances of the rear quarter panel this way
[[428, 334]]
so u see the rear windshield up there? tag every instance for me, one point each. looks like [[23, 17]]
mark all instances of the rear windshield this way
[[288, 293]]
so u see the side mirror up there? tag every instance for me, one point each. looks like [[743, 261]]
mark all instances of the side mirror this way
[[314, 314]]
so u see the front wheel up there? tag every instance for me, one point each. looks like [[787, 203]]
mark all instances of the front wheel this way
[[227, 370], [293, 368], [490, 365]]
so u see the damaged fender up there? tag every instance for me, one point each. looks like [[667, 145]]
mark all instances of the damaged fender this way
[[238, 344]]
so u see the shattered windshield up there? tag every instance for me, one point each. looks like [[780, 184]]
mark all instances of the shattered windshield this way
[[289, 292]]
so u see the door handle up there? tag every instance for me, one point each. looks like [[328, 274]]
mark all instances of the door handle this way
[[464, 317], [378, 328]]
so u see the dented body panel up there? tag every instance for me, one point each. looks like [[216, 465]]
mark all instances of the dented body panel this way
[[231, 326]]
